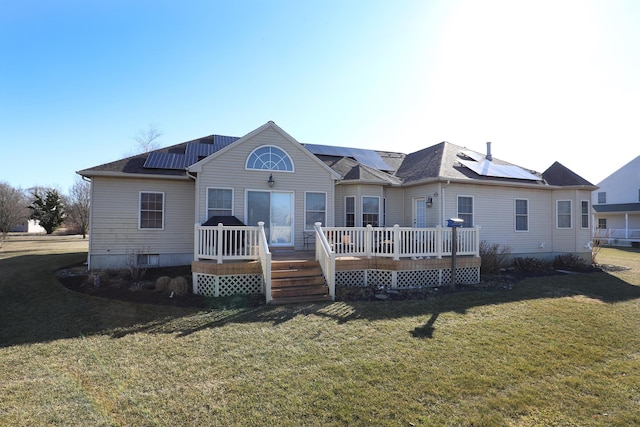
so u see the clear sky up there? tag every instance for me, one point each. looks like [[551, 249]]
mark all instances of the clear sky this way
[[543, 80]]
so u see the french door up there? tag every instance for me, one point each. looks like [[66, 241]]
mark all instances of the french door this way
[[420, 212], [275, 209]]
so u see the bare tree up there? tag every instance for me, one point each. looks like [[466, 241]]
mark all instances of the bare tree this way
[[13, 209], [78, 204], [147, 139]]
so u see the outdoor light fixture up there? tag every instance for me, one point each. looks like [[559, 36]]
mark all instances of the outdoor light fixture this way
[[271, 181]]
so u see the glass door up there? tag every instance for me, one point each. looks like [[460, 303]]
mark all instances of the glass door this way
[[420, 212], [275, 209]]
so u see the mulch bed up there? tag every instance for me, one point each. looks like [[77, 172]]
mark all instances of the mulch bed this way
[[118, 285]]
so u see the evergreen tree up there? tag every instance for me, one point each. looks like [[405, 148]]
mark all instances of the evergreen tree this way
[[49, 212]]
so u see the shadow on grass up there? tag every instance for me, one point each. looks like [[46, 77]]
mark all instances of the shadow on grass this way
[[35, 307]]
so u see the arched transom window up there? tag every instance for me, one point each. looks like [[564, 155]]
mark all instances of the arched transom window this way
[[269, 157]]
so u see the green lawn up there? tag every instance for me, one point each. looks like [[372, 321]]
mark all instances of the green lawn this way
[[562, 350]]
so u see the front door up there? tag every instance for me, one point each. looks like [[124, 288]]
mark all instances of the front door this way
[[275, 209], [420, 212]]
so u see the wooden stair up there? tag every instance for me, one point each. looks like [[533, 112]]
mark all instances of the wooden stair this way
[[296, 281]]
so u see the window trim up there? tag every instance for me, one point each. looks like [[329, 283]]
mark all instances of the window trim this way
[[584, 215], [602, 197], [140, 193], [473, 202], [362, 212], [516, 214], [246, 163], [219, 188], [570, 214], [324, 223], [354, 213]]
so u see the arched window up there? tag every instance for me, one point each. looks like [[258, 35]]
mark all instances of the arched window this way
[[269, 157]]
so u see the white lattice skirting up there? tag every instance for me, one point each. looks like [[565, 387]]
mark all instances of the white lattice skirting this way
[[407, 279], [222, 286]]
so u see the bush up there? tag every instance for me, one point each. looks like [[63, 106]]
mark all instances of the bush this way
[[162, 283], [532, 265], [569, 262], [493, 257], [179, 286]]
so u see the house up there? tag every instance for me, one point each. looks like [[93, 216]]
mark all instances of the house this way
[[29, 226], [616, 206], [386, 207]]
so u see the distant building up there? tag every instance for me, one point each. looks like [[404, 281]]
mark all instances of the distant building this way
[[29, 226]]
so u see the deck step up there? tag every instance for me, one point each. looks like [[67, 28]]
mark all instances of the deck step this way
[[294, 281]]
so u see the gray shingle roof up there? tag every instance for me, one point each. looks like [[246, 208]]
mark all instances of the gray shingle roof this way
[[438, 162]]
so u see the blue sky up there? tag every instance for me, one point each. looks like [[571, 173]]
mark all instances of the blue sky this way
[[544, 80]]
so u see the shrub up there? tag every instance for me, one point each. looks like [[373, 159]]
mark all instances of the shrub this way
[[493, 257], [179, 286], [532, 265], [162, 283], [569, 262]]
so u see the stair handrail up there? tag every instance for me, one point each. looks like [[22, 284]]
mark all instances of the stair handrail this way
[[327, 259], [265, 260]]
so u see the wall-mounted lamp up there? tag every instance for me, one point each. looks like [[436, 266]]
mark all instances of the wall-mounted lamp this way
[[429, 201], [271, 181]]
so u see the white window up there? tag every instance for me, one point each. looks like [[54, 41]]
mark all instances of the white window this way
[[602, 223], [350, 211], [151, 210], [219, 202], [563, 210], [148, 260], [602, 197], [269, 157], [465, 210], [315, 209], [370, 211], [585, 213], [522, 215]]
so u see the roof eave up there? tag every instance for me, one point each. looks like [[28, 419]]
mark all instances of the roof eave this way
[[90, 174]]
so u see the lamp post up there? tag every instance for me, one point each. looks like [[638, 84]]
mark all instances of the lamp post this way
[[454, 223]]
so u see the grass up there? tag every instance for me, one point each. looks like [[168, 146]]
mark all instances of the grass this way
[[559, 351]]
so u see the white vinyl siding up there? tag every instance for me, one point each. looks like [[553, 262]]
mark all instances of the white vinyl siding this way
[[115, 221], [315, 209], [226, 170], [563, 214], [219, 202], [151, 211], [522, 215]]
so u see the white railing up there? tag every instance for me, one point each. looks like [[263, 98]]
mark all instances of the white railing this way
[[623, 233], [265, 260], [223, 242], [401, 242], [326, 257]]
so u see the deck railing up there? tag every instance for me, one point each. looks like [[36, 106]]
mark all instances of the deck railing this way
[[233, 243], [401, 242], [326, 257], [265, 260], [223, 242]]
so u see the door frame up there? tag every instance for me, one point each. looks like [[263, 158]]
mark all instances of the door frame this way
[[292, 212]]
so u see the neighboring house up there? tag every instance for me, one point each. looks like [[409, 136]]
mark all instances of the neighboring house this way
[[149, 204], [616, 206], [29, 226]]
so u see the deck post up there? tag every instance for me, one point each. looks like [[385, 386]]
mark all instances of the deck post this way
[[396, 242], [368, 240], [196, 242], [439, 240], [218, 247]]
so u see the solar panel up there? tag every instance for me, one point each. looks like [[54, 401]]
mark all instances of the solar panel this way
[[487, 168], [160, 160], [472, 155], [222, 141], [200, 149], [362, 155]]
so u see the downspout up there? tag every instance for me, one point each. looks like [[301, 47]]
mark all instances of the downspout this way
[[442, 202], [197, 198], [90, 222]]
